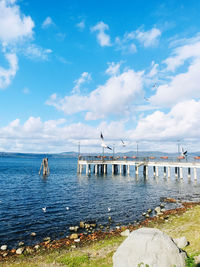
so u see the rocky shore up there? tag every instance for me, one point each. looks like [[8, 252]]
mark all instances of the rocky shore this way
[[90, 234]]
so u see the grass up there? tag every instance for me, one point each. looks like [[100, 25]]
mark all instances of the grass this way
[[99, 254]]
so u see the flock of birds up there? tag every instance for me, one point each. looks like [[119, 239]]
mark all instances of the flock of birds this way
[[103, 144], [67, 208]]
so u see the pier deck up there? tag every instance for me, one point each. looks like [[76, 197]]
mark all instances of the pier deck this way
[[99, 165]]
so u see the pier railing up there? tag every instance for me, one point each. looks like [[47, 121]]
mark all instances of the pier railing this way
[[138, 159]]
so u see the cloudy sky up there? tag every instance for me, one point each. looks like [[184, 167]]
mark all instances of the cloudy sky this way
[[72, 69]]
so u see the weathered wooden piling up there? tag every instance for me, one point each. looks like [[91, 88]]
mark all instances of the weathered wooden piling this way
[[45, 167]]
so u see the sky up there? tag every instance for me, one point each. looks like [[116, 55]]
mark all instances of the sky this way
[[70, 70]]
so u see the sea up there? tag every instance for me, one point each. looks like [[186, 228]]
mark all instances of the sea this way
[[70, 197]]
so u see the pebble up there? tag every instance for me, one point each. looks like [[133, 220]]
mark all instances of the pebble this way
[[36, 247], [47, 238], [4, 247], [19, 251], [82, 224], [33, 234], [125, 233], [21, 244], [73, 246], [77, 240], [5, 254], [73, 236]]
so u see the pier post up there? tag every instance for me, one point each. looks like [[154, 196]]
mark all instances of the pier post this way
[[176, 172], [181, 173], [115, 168], [105, 168], [120, 169], [157, 171], [78, 168], [128, 169], [189, 173], [146, 174], [86, 168], [89, 169], [154, 171], [81, 168], [112, 168], [96, 169], [124, 169], [169, 172], [101, 168], [195, 174], [136, 170], [165, 171]]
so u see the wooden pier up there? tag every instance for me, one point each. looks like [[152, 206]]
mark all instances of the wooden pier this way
[[121, 165]]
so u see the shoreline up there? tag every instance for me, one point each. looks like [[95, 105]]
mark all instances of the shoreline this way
[[85, 240]]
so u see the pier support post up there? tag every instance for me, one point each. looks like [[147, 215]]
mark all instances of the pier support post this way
[[181, 173], [195, 174], [146, 174], [128, 169], [89, 169], [78, 168], [176, 172], [189, 173], [136, 170], [86, 168], [154, 171], [81, 168], [115, 168], [120, 169], [165, 171], [169, 172], [105, 168], [112, 168], [157, 171], [96, 169], [124, 169]]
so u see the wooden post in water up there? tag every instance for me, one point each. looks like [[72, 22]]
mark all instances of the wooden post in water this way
[[45, 167], [181, 173], [154, 171], [165, 171], [169, 172], [120, 169], [195, 174], [176, 172], [157, 171], [128, 169], [189, 173]]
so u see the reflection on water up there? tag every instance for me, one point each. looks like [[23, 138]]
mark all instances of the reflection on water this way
[[24, 193]]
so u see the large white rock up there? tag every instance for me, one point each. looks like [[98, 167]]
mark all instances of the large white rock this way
[[148, 246]]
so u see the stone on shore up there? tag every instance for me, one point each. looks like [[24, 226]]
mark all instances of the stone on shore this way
[[33, 234], [181, 242], [148, 246], [158, 209], [125, 233], [73, 236], [4, 247], [19, 251]]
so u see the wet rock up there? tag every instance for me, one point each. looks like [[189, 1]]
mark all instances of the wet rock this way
[[157, 210], [149, 210], [144, 214], [148, 246], [117, 227], [36, 247], [73, 228], [73, 246], [87, 225], [125, 233], [19, 251], [77, 240], [82, 224], [163, 210], [169, 200], [110, 218], [181, 242], [101, 227], [162, 205], [29, 250], [93, 225], [33, 234], [73, 236], [21, 244], [4, 247], [47, 238], [5, 254], [147, 215]]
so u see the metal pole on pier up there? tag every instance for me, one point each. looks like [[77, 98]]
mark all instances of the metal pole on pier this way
[[137, 149]]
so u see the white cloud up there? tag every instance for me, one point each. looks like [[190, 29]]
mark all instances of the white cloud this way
[[115, 97], [6, 75], [26, 91], [148, 38], [85, 77], [113, 68], [81, 25], [181, 122], [47, 23], [126, 44], [154, 69], [183, 53], [102, 37], [181, 87], [36, 52], [14, 25]]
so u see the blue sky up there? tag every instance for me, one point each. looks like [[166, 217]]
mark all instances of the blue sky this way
[[72, 69]]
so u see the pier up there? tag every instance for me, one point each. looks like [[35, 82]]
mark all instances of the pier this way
[[122, 165]]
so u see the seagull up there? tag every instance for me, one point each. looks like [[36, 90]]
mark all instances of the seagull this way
[[123, 144], [101, 136], [184, 153], [44, 209], [155, 85], [145, 98], [67, 208], [105, 146], [109, 209]]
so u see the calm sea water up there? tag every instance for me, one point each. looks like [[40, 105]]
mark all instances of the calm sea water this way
[[23, 194]]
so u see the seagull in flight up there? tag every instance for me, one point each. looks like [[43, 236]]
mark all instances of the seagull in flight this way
[[155, 85], [123, 144], [101, 136], [184, 153], [44, 209], [147, 99], [105, 146]]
